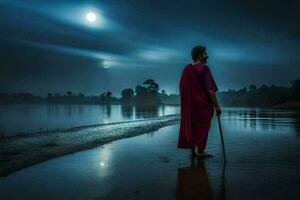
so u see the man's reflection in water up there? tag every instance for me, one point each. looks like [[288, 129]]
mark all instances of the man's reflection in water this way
[[192, 182]]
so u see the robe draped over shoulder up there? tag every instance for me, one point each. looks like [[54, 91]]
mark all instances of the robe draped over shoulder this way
[[196, 108]]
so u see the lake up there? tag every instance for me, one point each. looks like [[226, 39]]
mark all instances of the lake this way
[[23, 119], [263, 161]]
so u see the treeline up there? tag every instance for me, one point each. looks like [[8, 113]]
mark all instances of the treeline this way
[[146, 94], [263, 96], [149, 93]]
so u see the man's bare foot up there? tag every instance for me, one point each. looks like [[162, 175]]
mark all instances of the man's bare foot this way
[[203, 155]]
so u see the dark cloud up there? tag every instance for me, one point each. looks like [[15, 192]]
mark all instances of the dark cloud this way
[[46, 46]]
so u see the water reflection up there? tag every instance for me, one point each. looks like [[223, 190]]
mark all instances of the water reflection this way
[[192, 182], [261, 119], [71, 110], [297, 129], [107, 111], [147, 111], [261, 165], [223, 183], [252, 118], [296, 115], [127, 111], [53, 110], [23, 119], [80, 109], [16, 119]]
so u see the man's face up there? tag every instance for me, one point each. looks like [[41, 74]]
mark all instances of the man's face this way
[[204, 57]]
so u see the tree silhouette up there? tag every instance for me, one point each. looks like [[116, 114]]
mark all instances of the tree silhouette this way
[[108, 94], [106, 97], [147, 94], [151, 85], [140, 91], [102, 97], [252, 87], [127, 95], [163, 93], [49, 96]]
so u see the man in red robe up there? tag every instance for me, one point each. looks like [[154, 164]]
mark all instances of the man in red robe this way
[[197, 103]]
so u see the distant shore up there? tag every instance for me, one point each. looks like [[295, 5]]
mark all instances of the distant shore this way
[[23, 151], [285, 105]]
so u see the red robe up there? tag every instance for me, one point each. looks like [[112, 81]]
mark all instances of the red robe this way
[[196, 108]]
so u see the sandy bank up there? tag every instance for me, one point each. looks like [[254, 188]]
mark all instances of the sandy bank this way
[[23, 151]]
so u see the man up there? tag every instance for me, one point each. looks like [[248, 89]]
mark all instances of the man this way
[[197, 103]]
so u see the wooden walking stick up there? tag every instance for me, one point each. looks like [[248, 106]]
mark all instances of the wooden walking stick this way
[[222, 139]]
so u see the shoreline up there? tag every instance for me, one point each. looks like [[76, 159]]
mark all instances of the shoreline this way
[[23, 151]]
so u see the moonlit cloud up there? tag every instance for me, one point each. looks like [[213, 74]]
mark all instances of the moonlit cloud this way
[[273, 54], [158, 54], [135, 40], [68, 13], [70, 50], [246, 54], [76, 15], [108, 63], [106, 60]]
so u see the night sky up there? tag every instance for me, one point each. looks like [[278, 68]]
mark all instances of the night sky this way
[[50, 46]]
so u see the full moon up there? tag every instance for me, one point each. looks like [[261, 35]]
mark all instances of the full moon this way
[[91, 17]]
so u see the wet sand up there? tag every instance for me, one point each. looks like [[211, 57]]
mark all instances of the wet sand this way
[[22, 151], [262, 163]]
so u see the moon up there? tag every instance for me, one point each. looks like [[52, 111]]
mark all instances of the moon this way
[[91, 17]]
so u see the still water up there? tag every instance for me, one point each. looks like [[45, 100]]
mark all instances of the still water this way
[[263, 162], [22, 119]]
